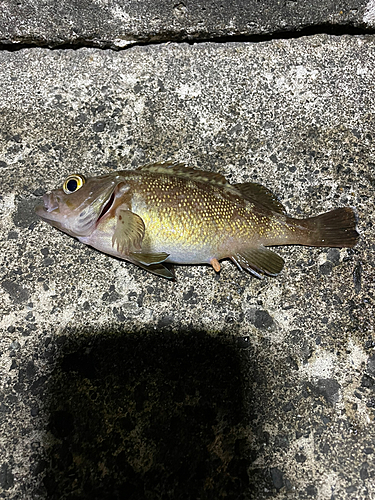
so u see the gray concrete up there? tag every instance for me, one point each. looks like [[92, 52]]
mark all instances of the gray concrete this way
[[116, 24], [117, 384]]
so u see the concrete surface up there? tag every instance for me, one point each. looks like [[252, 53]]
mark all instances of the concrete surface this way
[[117, 384], [109, 23]]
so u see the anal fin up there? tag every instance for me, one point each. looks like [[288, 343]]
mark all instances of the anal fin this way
[[258, 261]]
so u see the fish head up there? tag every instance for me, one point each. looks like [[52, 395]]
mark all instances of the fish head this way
[[77, 207]]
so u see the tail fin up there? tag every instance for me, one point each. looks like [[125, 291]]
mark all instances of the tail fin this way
[[336, 228]]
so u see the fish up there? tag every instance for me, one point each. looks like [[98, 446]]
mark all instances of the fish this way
[[167, 213]]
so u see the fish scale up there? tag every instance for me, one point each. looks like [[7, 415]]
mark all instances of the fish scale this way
[[167, 213], [188, 222]]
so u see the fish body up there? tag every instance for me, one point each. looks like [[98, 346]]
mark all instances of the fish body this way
[[166, 213]]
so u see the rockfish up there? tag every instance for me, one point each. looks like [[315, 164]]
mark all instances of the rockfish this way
[[166, 213]]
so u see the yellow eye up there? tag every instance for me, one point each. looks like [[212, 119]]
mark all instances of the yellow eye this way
[[73, 183]]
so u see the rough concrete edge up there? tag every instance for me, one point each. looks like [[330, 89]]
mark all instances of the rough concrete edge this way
[[366, 26]]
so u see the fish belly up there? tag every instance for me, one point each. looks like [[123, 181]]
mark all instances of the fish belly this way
[[180, 252]]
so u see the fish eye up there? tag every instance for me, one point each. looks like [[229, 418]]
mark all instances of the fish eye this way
[[73, 183]]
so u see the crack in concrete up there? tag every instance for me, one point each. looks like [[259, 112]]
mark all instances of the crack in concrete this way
[[123, 44]]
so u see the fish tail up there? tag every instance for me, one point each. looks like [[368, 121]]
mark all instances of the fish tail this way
[[336, 228]]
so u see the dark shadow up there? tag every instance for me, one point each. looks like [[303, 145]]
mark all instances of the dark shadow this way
[[156, 415]]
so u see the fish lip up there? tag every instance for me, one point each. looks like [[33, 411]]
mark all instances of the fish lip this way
[[50, 204]]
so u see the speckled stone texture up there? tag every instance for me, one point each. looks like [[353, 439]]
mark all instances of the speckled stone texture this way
[[117, 384], [117, 23]]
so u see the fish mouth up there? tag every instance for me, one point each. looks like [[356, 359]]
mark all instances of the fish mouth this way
[[50, 204], [107, 206]]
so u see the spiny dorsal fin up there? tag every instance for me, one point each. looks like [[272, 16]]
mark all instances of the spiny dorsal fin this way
[[259, 194], [258, 260], [181, 170]]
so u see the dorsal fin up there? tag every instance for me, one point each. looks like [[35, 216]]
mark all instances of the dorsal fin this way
[[181, 170], [259, 194]]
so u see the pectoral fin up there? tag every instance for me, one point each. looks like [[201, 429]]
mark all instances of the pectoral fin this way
[[148, 259], [259, 260], [129, 232]]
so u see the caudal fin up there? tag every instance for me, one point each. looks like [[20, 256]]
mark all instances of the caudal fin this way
[[336, 228]]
